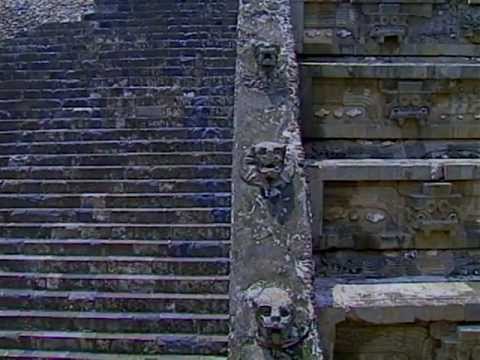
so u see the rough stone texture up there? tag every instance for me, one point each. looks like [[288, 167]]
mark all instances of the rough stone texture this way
[[390, 127], [23, 15], [379, 27], [272, 248]]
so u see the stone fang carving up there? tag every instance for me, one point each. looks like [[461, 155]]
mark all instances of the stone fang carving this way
[[268, 166], [410, 102]]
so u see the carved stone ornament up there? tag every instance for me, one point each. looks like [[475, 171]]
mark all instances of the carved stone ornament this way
[[267, 55], [435, 209], [268, 166], [409, 102], [275, 320], [471, 27], [389, 25]]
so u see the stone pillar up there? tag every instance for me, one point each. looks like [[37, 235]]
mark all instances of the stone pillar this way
[[272, 267]]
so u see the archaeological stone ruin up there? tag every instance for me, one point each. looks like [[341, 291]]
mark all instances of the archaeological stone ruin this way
[[240, 179]]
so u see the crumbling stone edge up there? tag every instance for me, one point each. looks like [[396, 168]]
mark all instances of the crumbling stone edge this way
[[272, 266]]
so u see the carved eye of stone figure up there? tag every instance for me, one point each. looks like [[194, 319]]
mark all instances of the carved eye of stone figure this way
[[274, 314]]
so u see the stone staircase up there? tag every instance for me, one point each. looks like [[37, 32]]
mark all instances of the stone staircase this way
[[115, 161]]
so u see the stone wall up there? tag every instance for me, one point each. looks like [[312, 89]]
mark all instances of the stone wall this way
[[22, 15], [272, 267]]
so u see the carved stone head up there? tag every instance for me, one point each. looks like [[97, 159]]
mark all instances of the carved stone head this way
[[269, 158], [267, 55], [266, 165], [274, 314]]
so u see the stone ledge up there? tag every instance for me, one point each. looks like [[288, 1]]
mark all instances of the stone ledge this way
[[394, 303], [409, 169]]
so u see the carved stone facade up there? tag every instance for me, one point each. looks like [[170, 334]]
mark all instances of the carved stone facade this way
[[390, 124]]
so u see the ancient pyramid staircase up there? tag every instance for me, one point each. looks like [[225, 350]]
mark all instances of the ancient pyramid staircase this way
[[115, 160]]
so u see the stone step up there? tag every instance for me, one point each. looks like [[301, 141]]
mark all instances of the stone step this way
[[211, 103], [114, 186], [171, 172], [77, 122], [60, 82], [148, 134], [215, 94], [100, 201], [77, 247], [157, 41], [88, 78], [58, 61], [203, 113], [113, 302], [115, 283], [115, 147], [181, 323], [124, 159], [115, 265], [117, 216], [57, 355], [115, 231]]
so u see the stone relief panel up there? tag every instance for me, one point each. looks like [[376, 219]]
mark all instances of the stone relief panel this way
[[361, 108], [396, 215], [429, 27]]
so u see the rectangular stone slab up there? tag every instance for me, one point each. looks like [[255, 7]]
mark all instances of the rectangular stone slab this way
[[395, 204], [391, 99], [400, 27], [394, 303]]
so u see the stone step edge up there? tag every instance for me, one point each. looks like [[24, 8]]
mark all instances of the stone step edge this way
[[94, 295], [57, 355], [128, 277], [152, 316], [103, 194], [71, 225], [107, 130], [122, 142], [87, 258], [14, 241]]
